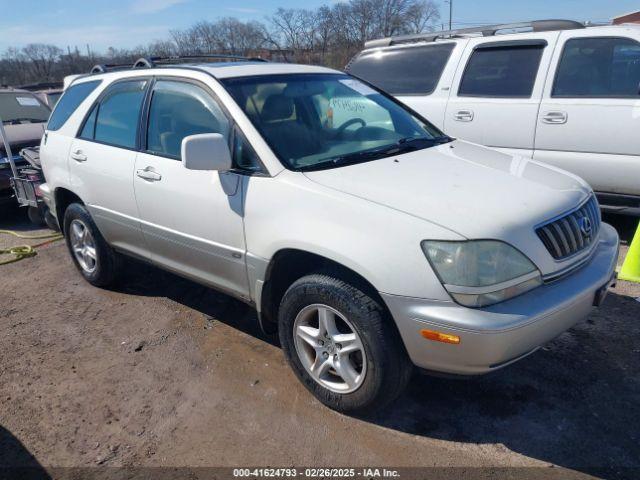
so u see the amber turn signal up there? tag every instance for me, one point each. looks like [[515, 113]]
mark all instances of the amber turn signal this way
[[440, 337]]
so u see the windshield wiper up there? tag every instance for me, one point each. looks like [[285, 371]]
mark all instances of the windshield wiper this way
[[407, 141], [352, 158], [404, 145]]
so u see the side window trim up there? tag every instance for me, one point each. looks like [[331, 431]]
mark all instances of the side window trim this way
[[58, 105], [502, 44], [98, 101], [146, 110], [561, 56], [512, 43], [233, 126], [236, 131]]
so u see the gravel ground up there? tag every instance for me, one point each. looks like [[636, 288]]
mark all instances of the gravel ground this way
[[163, 372]]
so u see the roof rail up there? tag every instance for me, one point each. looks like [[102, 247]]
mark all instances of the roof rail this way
[[151, 62], [104, 68], [486, 31]]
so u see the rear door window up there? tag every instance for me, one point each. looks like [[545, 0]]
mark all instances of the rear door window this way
[[118, 114], [502, 71], [599, 67], [403, 71], [68, 103]]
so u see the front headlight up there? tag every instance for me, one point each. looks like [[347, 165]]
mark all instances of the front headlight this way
[[481, 272]]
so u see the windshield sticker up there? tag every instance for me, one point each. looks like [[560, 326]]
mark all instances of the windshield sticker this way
[[28, 101], [358, 87], [347, 104]]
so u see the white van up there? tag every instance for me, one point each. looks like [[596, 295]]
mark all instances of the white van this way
[[560, 93]]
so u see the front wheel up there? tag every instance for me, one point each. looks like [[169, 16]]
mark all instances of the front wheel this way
[[341, 344], [98, 263]]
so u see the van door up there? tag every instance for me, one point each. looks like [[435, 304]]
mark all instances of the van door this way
[[102, 160], [589, 120], [497, 92], [192, 220], [420, 76]]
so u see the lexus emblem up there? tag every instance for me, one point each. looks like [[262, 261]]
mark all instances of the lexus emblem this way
[[585, 226]]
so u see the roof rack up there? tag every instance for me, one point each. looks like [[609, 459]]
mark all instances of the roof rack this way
[[151, 62], [486, 31], [104, 68]]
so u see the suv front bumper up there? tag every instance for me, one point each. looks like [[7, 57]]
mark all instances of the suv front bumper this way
[[498, 335]]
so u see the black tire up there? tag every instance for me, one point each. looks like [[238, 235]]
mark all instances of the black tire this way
[[388, 368], [108, 262], [36, 215], [51, 221]]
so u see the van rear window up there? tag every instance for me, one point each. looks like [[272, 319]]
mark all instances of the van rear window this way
[[68, 103], [403, 71]]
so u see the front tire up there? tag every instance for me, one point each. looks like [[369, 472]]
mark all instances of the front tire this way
[[98, 263], [341, 344]]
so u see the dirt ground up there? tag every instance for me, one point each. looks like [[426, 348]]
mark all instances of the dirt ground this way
[[164, 372]]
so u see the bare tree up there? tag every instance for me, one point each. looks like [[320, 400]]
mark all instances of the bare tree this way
[[13, 68], [328, 35], [422, 15], [42, 58]]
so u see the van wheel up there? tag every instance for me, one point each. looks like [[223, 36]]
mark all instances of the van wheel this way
[[341, 345], [95, 259]]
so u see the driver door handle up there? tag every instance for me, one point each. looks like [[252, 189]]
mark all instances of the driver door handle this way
[[555, 118], [463, 116], [150, 175], [78, 156]]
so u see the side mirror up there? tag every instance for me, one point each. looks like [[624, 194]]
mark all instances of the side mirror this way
[[206, 151]]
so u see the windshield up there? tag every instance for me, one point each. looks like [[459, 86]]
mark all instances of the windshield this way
[[317, 121], [22, 107]]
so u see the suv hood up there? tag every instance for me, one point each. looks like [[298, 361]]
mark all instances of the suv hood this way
[[472, 190]]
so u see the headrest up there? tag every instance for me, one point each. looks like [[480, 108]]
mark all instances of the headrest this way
[[277, 107]]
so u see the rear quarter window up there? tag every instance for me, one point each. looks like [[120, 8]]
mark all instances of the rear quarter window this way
[[68, 103], [403, 71], [605, 67]]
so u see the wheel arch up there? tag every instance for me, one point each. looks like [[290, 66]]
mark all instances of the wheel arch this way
[[63, 198], [288, 265]]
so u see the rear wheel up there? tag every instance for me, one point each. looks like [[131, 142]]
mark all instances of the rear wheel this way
[[341, 344], [98, 263], [36, 215]]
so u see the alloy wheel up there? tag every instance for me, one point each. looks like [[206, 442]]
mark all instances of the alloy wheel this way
[[329, 348], [83, 246]]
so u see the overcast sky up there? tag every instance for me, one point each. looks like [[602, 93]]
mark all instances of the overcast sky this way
[[127, 23]]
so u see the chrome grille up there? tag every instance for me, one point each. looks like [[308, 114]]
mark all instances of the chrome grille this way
[[573, 232]]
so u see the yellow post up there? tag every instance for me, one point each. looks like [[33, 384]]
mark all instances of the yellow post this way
[[630, 270]]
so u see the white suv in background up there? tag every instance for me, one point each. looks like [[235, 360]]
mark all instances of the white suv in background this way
[[370, 243], [561, 93]]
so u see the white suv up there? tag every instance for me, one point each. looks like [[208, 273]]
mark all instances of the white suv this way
[[562, 94], [370, 244]]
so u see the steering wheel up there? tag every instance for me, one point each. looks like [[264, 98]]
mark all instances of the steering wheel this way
[[348, 123]]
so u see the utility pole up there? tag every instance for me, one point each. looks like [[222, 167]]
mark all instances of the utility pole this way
[[450, 2]]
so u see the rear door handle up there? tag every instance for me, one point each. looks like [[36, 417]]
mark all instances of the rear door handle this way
[[150, 175], [78, 156], [463, 116], [555, 118]]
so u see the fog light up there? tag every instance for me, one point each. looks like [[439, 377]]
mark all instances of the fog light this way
[[440, 337]]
